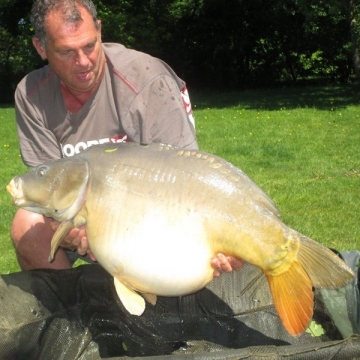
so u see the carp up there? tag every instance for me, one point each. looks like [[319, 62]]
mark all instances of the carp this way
[[155, 215]]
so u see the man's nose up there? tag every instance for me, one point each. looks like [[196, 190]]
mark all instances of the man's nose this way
[[81, 59]]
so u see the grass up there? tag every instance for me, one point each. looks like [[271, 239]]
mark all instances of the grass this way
[[301, 145], [11, 165]]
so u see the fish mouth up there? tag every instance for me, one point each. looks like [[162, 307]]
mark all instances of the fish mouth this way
[[15, 189]]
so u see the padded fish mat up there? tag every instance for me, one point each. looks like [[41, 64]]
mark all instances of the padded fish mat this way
[[76, 314]]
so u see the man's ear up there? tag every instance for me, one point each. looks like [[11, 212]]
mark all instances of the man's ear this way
[[99, 27], [39, 48]]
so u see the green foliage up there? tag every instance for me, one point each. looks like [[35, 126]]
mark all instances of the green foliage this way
[[301, 145], [212, 43], [17, 56], [113, 17]]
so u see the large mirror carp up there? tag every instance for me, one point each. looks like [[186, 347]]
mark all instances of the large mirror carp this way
[[155, 215]]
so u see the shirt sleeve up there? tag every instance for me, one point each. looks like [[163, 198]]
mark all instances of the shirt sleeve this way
[[158, 115], [37, 143]]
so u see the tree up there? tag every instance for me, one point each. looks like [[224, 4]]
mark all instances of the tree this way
[[17, 56], [215, 43], [354, 18]]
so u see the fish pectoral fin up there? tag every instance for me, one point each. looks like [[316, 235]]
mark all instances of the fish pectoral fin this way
[[151, 298], [132, 301], [59, 236], [293, 298]]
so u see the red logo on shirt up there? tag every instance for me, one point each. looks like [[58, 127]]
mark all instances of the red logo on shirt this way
[[186, 100]]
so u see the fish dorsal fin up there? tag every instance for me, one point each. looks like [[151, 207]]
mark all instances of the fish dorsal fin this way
[[132, 301], [293, 298], [59, 236]]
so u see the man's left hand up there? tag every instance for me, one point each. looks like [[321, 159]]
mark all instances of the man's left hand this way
[[222, 263]]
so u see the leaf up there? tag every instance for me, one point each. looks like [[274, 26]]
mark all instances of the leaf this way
[[315, 329]]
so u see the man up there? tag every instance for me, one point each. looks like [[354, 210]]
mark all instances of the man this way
[[90, 93]]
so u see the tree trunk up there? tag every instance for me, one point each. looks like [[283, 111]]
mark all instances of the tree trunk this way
[[354, 28]]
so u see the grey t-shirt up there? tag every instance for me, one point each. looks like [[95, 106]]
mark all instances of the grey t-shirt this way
[[140, 98]]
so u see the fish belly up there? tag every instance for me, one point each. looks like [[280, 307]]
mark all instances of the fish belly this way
[[158, 254]]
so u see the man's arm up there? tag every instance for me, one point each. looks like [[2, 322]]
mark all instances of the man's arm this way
[[158, 114], [37, 143]]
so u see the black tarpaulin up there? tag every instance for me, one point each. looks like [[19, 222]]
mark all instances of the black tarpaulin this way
[[76, 314]]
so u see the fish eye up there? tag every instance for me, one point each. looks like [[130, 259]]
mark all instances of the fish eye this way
[[42, 171]]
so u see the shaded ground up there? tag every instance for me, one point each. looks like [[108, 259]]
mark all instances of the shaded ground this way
[[319, 97]]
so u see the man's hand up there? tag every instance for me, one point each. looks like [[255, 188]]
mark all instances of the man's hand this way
[[222, 263], [75, 240]]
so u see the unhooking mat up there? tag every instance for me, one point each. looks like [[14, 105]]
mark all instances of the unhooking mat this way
[[76, 314]]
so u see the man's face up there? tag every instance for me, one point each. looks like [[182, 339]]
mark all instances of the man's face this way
[[73, 51]]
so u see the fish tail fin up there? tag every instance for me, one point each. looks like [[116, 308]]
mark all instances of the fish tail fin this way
[[323, 266], [315, 266], [293, 298]]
